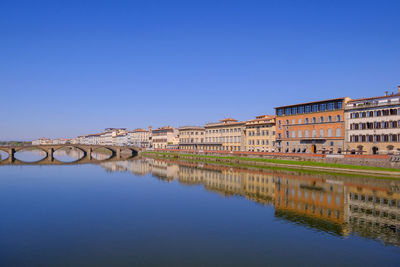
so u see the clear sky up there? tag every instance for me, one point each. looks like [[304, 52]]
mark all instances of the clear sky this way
[[69, 68]]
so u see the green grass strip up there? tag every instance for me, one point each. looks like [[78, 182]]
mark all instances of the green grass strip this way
[[279, 161]]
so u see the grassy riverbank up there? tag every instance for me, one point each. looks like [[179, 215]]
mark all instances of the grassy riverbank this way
[[321, 166]]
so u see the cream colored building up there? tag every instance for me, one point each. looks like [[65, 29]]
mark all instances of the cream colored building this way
[[140, 138], [109, 136], [225, 135], [191, 137], [373, 125], [260, 134], [165, 137]]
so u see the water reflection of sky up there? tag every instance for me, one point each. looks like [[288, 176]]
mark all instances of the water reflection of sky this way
[[81, 215]]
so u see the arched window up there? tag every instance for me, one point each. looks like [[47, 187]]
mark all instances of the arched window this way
[[338, 118], [321, 119], [314, 120], [306, 121], [329, 118], [338, 132]]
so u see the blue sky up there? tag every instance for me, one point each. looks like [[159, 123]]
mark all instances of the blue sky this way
[[73, 67]]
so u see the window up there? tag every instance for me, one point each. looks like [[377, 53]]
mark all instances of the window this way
[[330, 132], [306, 121], [299, 121], [279, 112], [300, 110], [339, 105], [287, 111], [306, 133], [338, 132], [308, 109], [314, 133], [331, 106], [329, 118], [321, 132], [321, 119], [293, 134], [338, 118], [294, 110], [322, 107], [314, 108], [300, 134], [314, 120]]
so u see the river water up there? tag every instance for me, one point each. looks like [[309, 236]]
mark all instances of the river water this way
[[145, 211]]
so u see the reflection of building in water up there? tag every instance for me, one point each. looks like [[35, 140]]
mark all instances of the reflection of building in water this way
[[311, 201], [374, 212], [334, 204], [73, 153], [254, 185], [165, 170]]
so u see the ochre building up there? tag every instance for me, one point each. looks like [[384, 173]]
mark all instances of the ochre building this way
[[225, 135], [191, 137], [260, 134], [314, 127]]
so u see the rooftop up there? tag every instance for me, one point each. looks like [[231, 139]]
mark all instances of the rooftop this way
[[373, 98], [313, 102]]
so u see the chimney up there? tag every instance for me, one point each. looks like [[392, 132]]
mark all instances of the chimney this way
[[386, 93]]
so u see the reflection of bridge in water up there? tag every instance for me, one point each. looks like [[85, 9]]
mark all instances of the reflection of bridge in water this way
[[49, 150]]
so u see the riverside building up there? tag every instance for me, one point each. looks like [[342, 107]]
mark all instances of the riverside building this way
[[225, 135], [373, 125], [191, 137], [260, 134], [165, 137], [313, 127], [140, 138]]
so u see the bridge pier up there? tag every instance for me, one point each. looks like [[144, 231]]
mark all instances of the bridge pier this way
[[50, 154], [118, 151], [89, 153], [11, 155]]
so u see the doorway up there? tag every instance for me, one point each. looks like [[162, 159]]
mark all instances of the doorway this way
[[314, 149]]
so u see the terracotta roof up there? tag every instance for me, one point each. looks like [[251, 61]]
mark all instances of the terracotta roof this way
[[262, 118], [372, 98], [190, 128], [139, 130], [228, 119]]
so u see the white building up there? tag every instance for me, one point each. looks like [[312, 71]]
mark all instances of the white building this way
[[42, 141]]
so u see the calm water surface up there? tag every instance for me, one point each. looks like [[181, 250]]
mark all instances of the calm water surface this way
[[156, 212]]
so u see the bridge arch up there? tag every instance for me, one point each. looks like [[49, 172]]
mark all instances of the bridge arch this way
[[36, 158], [66, 146]]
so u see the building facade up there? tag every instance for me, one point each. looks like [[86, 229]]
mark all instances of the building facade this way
[[191, 137], [225, 135], [260, 134], [373, 125], [109, 136], [314, 127], [165, 137], [140, 138]]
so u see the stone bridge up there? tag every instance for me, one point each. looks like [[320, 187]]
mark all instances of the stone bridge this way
[[50, 149]]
